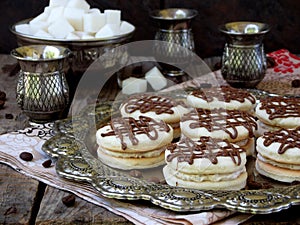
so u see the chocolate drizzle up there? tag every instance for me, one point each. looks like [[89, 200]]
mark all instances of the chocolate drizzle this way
[[286, 138], [187, 150], [226, 120], [281, 107], [150, 103], [129, 127], [224, 93]]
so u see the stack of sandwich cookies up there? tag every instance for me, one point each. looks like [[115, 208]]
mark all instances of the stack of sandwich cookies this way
[[128, 143], [236, 126], [222, 97], [157, 107], [278, 112], [207, 164], [279, 155]]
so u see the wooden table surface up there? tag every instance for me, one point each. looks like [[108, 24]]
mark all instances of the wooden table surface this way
[[24, 200]]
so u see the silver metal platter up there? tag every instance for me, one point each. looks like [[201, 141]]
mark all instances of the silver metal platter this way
[[76, 161]]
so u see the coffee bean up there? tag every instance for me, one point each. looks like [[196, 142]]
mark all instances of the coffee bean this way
[[9, 116], [2, 104], [296, 83], [68, 200], [153, 180], [2, 95], [135, 173], [47, 163], [26, 156]]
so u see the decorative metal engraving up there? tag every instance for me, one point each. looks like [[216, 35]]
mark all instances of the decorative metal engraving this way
[[72, 159]]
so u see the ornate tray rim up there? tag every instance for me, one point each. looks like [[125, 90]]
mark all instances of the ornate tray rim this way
[[71, 165]]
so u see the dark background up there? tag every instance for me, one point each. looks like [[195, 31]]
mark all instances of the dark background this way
[[282, 15]]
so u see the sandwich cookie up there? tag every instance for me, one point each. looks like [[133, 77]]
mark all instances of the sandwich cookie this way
[[277, 112], [156, 107], [128, 143], [233, 125], [207, 164], [279, 155], [222, 97]]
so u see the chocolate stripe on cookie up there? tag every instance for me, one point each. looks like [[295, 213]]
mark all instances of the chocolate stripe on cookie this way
[[186, 150], [226, 120], [281, 107], [287, 139], [128, 126], [223, 93]]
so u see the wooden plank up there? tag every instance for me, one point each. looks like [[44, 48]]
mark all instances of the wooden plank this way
[[53, 211], [17, 195]]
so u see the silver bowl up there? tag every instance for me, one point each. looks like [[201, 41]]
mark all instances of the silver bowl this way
[[84, 51]]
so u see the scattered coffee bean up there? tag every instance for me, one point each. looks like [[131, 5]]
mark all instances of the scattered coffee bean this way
[[153, 180], [135, 173], [2, 104], [2, 95], [47, 163], [26, 156], [9, 116], [10, 210], [68, 200], [296, 83], [270, 62]]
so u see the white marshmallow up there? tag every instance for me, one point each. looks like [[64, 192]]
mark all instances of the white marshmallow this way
[[36, 26], [40, 18], [156, 79], [60, 28], [72, 36], [23, 28], [134, 85], [75, 17], [54, 3], [108, 30], [80, 4], [113, 16], [93, 21], [87, 36], [55, 13], [126, 27], [43, 34]]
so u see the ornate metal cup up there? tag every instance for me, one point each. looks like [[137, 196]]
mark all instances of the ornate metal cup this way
[[42, 89], [174, 26], [244, 61]]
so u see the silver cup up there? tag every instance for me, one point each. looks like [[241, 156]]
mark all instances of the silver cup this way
[[174, 27], [42, 89], [244, 60]]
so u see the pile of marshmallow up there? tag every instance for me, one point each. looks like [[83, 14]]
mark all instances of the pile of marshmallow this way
[[75, 20]]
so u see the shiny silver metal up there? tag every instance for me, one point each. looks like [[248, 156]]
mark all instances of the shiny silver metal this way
[[42, 89], [84, 52], [174, 27], [244, 61]]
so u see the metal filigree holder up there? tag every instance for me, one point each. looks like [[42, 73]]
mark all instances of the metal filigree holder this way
[[42, 89], [174, 27], [244, 61], [75, 162]]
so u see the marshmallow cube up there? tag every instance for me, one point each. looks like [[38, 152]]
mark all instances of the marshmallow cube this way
[[55, 13], [113, 16], [156, 79], [108, 30], [126, 27], [36, 26], [55, 3], [134, 85], [43, 34], [93, 21], [87, 36], [40, 18], [80, 4], [74, 17], [72, 36], [23, 28], [60, 28]]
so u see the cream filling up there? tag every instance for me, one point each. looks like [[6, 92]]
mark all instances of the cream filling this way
[[149, 154], [277, 164], [209, 177]]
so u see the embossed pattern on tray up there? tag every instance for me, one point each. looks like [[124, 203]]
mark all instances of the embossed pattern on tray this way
[[71, 154]]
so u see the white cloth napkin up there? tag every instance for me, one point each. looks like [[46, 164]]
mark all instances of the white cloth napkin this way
[[31, 140]]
